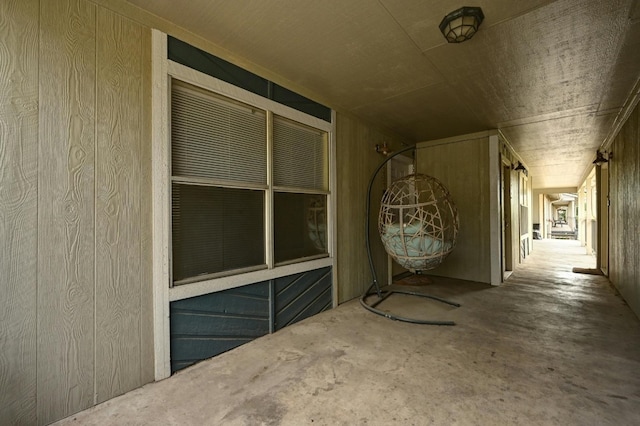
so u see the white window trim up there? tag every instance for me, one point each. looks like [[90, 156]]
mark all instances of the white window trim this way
[[160, 206], [206, 82], [162, 71]]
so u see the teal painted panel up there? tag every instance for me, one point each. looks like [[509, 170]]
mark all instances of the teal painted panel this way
[[301, 296], [219, 324], [192, 57], [249, 300], [206, 326], [199, 60], [289, 288], [322, 302]]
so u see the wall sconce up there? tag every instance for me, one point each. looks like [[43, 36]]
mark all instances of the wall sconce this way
[[383, 149], [461, 24], [521, 168], [600, 160]]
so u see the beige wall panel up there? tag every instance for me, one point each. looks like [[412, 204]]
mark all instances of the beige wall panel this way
[[18, 209], [356, 160], [125, 8], [66, 211], [624, 238], [603, 216], [463, 168], [120, 264], [146, 232], [515, 219]]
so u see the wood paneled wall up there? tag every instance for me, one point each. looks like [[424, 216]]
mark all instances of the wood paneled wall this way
[[356, 160], [75, 231], [66, 208], [124, 339], [18, 209], [76, 323], [463, 168], [624, 212]]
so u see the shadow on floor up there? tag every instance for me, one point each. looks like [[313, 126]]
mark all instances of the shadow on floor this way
[[420, 308]]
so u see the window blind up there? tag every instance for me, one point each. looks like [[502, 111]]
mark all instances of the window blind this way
[[216, 138], [216, 229], [300, 156]]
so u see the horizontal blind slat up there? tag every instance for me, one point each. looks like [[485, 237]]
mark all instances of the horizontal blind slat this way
[[300, 156], [216, 138], [215, 229]]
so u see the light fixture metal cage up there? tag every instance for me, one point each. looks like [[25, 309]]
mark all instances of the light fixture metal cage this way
[[461, 24]]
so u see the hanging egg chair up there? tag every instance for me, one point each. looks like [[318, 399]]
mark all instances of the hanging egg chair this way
[[418, 222], [418, 225]]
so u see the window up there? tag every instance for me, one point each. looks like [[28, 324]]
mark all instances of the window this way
[[243, 198], [301, 183]]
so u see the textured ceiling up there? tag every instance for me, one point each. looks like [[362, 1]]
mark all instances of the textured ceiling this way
[[552, 75]]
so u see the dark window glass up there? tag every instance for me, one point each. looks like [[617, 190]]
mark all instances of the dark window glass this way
[[300, 226], [216, 230]]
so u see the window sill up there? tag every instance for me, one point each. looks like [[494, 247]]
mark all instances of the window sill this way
[[216, 284]]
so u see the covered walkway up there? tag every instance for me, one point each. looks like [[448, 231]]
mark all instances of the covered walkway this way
[[548, 347]]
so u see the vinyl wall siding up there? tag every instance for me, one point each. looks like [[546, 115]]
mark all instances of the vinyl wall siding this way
[[75, 231], [356, 160], [463, 168], [624, 212], [18, 209], [76, 322]]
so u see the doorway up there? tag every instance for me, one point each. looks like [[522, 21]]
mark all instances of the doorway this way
[[603, 219], [507, 233]]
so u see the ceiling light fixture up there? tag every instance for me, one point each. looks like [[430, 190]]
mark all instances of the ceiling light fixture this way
[[460, 25], [600, 160]]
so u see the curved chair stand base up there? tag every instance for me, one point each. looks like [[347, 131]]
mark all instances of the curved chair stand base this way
[[383, 295]]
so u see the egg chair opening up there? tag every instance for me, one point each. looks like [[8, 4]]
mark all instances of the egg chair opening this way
[[418, 225]]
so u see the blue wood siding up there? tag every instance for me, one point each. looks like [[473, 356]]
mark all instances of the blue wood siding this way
[[302, 295], [208, 325], [192, 57], [205, 326]]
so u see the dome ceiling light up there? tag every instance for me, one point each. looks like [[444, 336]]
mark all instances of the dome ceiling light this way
[[460, 25]]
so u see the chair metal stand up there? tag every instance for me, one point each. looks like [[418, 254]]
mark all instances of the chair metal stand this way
[[374, 289]]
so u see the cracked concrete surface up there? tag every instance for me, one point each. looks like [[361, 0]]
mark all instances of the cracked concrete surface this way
[[548, 347]]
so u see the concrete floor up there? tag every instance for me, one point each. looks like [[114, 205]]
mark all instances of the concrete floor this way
[[548, 347]]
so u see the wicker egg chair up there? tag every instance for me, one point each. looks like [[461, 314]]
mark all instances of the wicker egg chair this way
[[418, 225], [418, 222]]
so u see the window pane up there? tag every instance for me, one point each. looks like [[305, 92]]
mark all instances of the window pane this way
[[300, 225], [216, 138], [299, 156], [216, 229]]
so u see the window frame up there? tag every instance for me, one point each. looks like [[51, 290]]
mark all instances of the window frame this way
[[163, 71], [225, 281]]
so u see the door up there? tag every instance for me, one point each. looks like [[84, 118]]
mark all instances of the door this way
[[507, 228], [603, 217]]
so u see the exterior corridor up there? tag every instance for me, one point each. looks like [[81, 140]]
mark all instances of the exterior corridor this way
[[547, 347]]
